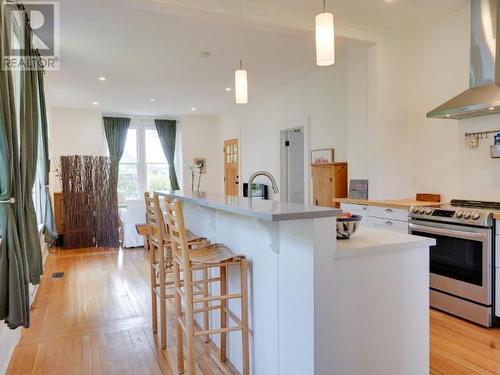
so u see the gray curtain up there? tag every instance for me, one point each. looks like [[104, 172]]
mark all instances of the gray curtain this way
[[14, 276], [116, 129], [28, 160], [167, 130], [46, 213]]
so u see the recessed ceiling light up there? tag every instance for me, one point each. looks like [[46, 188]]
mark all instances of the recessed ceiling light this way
[[193, 109], [228, 89], [95, 103], [491, 108], [152, 100], [448, 115], [101, 78]]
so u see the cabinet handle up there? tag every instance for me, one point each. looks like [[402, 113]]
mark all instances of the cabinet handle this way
[[388, 222]]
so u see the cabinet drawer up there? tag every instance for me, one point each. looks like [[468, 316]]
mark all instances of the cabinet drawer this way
[[388, 224], [355, 209], [389, 213]]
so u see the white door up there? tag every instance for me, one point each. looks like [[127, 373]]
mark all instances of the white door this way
[[295, 165]]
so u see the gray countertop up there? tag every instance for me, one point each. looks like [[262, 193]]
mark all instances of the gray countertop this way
[[259, 209]]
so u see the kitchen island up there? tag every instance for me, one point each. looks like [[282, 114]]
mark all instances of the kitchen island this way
[[318, 306]]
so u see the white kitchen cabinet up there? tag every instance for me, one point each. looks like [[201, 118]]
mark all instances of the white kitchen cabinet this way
[[377, 217], [355, 209], [497, 251], [389, 213], [388, 224], [497, 292], [497, 270]]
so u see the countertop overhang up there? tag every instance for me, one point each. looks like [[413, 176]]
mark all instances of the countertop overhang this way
[[256, 208]]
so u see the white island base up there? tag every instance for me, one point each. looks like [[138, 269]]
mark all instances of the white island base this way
[[318, 306]]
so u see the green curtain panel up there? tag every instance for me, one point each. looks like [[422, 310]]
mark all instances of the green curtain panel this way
[[14, 276], [167, 130], [116, 129], [46, 212], [28, 161]]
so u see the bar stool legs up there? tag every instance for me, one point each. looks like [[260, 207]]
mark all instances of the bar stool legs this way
[[244, 317], [178, 314], [223, 315], [154, 301], [206, 323]]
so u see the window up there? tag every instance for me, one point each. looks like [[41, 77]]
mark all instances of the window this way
[[156, 163], [143, 166], [128, 181]]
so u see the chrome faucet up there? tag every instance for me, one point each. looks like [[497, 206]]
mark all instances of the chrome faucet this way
[[262, 173]]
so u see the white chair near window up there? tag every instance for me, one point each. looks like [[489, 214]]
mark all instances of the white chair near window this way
[[133, 213]]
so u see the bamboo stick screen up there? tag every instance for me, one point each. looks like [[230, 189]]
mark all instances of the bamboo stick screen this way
[[90, 202]]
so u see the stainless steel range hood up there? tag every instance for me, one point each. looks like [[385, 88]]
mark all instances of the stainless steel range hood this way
[[483, 97]]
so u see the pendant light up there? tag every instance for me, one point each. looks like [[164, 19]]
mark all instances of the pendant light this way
[[325, 38], [241, 85], [241, 76]]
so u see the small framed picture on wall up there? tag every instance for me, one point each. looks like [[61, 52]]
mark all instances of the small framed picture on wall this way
[[323, 156], [201, 163]]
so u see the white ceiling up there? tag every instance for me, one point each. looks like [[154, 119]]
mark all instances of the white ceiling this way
[[150, 49]]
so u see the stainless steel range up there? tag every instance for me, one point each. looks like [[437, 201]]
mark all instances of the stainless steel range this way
[[462, 262]]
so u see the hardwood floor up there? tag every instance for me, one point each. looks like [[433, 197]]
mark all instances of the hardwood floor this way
[[462, 348], [96, 320]]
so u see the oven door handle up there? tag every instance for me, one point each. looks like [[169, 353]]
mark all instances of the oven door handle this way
[[449, 232]]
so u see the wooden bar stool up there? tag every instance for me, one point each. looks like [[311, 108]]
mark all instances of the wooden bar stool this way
[[161, 263], [144, 231], [204, 258]]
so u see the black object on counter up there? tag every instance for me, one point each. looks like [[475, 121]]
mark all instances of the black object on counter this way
[[259, 191]]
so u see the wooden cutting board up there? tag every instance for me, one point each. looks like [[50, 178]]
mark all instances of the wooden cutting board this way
[[424, 197]]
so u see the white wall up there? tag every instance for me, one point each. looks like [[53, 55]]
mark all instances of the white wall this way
[[321, 98], [74, 132], [443, 162], [200, 139], [81, 132], [403, 77]]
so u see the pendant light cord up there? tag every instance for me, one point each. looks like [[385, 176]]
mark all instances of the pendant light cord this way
[[241, 37], [324, 6]]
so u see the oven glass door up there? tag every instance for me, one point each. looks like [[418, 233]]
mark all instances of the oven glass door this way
[[456, 258], [461, 260]]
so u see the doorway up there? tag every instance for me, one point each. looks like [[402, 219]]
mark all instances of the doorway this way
[[231, 167], [292, 150]]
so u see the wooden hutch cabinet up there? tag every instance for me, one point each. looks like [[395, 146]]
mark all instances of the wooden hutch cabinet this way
[[329, 182]]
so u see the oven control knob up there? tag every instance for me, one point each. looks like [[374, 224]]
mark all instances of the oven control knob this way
[[459, 214], [421, 210], [467, 215], [414, 210], [428, 211], [476, 216]]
